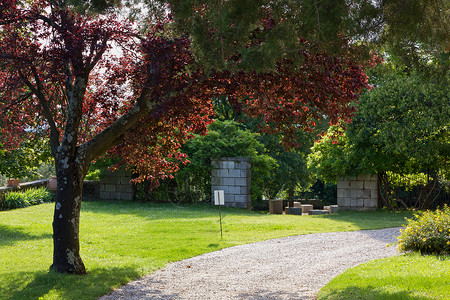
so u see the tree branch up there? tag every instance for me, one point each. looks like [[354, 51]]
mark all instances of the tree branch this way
[[318, 17], [94, 60], [17, 101], [54, 133], [112, 135], [50, 22]]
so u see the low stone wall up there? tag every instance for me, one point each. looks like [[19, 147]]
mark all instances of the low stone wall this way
[[233, 176], [113, 186], [21, 187], [359, 193]]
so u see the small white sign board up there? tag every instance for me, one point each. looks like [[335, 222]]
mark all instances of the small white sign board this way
[[219, 197]]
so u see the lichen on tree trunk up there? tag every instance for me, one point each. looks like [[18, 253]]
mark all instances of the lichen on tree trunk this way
[[66, 221]]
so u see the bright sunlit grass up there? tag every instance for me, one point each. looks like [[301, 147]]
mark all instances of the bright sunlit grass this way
[[123, 241], [406, 277]]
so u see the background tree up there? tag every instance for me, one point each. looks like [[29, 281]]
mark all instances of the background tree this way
[[24, 160], [290, 174], [413, 30], [94, 84], [224, 139], [276, 171], [402, 127]]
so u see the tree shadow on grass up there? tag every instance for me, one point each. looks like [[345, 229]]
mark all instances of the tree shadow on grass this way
[[98, 282], [149, 210], [371, 293], [158, 211], [9, 235], [371, 219]]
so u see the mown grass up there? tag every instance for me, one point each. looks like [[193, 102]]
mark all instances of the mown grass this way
[[411, 276], [123, 241]]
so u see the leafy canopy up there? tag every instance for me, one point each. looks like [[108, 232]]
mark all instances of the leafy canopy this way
[[402, 126]]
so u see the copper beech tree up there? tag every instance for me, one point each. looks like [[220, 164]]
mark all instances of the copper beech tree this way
[[95, 84]]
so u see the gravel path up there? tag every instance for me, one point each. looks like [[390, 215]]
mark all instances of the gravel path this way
[[288, 268]]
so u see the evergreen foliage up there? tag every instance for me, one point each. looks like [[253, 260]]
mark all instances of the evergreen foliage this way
[[224, 139], [412, 30]]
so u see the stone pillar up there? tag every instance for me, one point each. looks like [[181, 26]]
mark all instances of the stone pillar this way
[[232, 175], [116, 186], [359, 192]]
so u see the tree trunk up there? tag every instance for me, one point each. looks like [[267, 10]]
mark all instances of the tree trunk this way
[[66, 221]]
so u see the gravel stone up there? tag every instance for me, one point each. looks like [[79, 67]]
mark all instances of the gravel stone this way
[[295, 267]]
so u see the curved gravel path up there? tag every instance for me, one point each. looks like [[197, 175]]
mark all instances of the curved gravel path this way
[[294, 267]]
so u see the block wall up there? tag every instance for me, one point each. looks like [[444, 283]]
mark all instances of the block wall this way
[[359, 192], [233, 176], [116, 186]]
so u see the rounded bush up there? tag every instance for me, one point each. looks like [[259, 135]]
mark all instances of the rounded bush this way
[[429, 233]]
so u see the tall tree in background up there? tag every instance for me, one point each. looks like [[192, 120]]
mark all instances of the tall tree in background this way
[[24, 160], [93, 83], [413, 30], [401, 128]]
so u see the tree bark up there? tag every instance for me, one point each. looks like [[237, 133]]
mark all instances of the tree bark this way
[[66, 220]]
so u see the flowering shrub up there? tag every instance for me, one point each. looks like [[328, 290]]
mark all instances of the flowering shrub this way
[[429, 233]]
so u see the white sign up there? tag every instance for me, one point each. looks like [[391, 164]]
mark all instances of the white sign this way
[[219, 197]]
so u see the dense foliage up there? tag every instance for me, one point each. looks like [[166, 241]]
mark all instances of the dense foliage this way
[[24, 160], [19, 199], [277, 172], [412, 30], [401, 126], [290, 175], [400, 132], [428, 233], [405, 123], [224, 139]]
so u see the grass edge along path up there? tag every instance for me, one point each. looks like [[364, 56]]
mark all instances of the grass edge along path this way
[[122, 241], [407, 276]]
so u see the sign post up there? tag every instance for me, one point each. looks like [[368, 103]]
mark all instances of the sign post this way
[[219, 199]]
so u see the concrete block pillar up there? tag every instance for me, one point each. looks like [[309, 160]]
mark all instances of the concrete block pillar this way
[[116, 186], [359, 193], [233, 176]]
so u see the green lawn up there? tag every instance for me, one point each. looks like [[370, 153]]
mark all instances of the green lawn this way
[[403, 277], [123, 241]]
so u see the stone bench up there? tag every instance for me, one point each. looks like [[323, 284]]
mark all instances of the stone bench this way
[[331, 208], [314, 212], [306, 208], [293, 211]]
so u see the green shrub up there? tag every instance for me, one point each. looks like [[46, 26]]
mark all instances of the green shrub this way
[[26, 198], [14, 200], [95, 174], [429, 233], [38, 196]]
